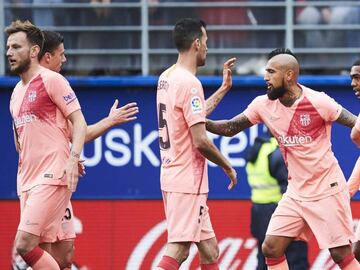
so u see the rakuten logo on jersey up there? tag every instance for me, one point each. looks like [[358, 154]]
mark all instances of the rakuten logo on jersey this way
[[24, 119], [294, 140]]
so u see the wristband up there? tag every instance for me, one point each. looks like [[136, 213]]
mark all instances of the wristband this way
[[74, 154]]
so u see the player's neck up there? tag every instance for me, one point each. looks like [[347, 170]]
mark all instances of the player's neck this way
[[30, 73], [187, 62], [291, 96]]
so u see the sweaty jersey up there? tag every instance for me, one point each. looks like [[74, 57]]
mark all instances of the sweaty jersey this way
[[39, 110], [180, 105], [303, 132]]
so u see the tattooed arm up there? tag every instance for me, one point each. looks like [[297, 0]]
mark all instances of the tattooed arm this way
[[228, 127], [214, 99], [346, 118]]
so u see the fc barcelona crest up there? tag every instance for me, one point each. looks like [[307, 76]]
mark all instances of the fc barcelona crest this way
[[305, 120], [32, 96]]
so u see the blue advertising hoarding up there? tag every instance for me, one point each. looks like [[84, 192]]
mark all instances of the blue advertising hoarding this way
[[124, 162]]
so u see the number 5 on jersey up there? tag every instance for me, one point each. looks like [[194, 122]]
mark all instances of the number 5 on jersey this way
[[164, 139]]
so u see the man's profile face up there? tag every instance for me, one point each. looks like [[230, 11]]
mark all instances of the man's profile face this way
[[203, 48], [274, 79], [57, 58], [355, 80], [18, 53]]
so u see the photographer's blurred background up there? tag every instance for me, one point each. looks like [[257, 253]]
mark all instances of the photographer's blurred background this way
[[118, 37]]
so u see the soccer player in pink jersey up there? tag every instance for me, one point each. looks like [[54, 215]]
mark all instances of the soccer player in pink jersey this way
[[355, 83], [184, 148], [41, 105], [355, 78], [53, 57], [354, 184], [354, 180], [317, 200]]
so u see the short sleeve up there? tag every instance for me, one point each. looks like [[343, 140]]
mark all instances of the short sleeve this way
[[61, 94], [328, 108], [193, 103], [252, 112]]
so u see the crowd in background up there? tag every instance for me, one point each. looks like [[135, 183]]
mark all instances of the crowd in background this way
[[116, 50]]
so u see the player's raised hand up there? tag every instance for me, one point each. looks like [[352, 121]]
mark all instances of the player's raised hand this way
[[231, 173], [123, 114], [227, 73]]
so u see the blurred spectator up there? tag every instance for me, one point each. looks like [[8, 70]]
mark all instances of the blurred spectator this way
[[263, 16], [46, 16], [16, 12], [331, 15], [219, 16], [160, 15], [96, 16], [268, 16]]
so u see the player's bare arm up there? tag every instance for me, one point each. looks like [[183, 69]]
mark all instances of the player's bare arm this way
[[346, 118], [117, 116], [214, 99], [355, 132], [78, 137], [354, 180], [228, 127], [16, 142], [210, 152]]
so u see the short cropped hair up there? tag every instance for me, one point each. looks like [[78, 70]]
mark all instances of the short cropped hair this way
[[186, 30], [52, 40], [33, 33], [280, 51], [356, 63]]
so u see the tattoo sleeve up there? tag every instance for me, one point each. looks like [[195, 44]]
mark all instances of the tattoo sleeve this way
[[346, 118], [228, 127], [213, 101]]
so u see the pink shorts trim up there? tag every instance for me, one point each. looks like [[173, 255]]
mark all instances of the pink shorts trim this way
[[42, 209], [187, 216], [329, 219]]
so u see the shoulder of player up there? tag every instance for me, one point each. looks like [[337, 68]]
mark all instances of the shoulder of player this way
[[314, 95], [18, 85], [50, 76], [186, 80], [263, 99]]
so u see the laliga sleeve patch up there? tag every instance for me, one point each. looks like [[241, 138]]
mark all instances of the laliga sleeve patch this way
[[196, 105], [193, 91]]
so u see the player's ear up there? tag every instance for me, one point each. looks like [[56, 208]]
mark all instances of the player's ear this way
[[34, 51], [197, 43], [47, 56], [290, 74]]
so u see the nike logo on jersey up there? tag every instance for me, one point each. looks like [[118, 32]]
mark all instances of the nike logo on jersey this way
[[31, 223], [273, 118]]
